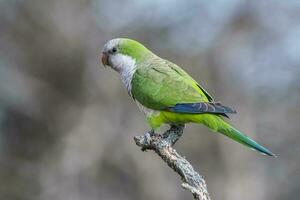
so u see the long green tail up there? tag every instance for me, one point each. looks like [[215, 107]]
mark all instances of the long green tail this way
[[221, 126]]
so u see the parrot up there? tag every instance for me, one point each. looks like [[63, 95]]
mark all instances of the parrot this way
[[167, 94]]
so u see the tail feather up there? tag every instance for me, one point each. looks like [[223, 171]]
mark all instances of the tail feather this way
[[236, 135], [245, 140]]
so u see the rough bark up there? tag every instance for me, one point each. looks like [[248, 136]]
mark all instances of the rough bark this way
[[163, 146]]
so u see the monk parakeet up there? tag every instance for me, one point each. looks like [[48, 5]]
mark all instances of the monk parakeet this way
[[166, 93]]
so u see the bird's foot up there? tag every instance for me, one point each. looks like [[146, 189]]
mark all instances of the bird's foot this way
[[151, 132], [147, 139]]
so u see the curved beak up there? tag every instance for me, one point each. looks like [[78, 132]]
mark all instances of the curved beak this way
[[104, 59]]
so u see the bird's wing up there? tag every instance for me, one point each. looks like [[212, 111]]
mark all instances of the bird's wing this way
[[162, 85]]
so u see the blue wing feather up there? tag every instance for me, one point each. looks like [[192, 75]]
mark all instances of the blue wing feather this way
[[202, 107]]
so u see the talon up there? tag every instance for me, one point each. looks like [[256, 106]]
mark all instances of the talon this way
[[146, 141], [147, 138], [151, 132]]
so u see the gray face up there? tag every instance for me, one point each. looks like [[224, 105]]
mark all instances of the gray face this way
[[112, 57], [110, 45], [110, 49]]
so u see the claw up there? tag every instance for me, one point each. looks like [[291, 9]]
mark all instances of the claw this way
[[147, 139], [151, 132]]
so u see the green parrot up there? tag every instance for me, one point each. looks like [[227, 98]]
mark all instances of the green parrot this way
[[166, 93]]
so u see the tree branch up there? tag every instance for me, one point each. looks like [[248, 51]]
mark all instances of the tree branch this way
[[162, 145]]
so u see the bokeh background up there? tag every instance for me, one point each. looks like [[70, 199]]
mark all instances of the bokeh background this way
[[67, 124]]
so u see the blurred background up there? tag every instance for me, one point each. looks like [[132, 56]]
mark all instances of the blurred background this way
[[67, 124]]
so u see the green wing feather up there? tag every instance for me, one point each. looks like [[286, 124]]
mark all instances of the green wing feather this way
[[161, 84], [182, 73]]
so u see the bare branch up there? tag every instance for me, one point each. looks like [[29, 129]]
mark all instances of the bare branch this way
[[162, 145]]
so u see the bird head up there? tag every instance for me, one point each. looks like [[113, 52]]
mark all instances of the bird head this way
[[121, 54]]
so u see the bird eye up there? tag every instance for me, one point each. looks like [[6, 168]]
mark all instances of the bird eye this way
[[114, 50]]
